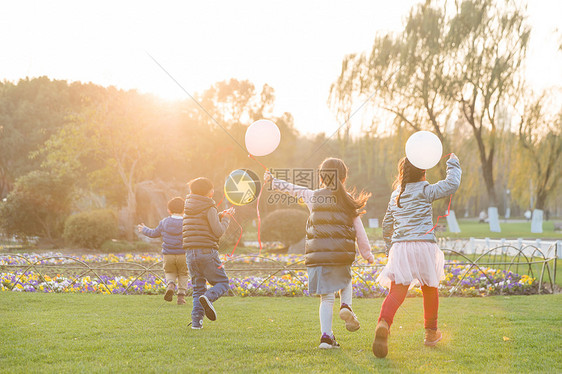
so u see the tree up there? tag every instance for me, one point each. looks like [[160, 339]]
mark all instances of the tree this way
[[540, 134], [441, 63], [30, 112], [111, 141], [406, 74], [37, 205], [121, 138], [287, 226], [235, 101], [491, 39]]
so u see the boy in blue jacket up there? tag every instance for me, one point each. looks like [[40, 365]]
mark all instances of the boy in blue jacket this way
[[175, 264]]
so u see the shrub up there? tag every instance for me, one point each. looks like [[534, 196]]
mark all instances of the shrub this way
[[116, 246], [287, 226], [123, 246], [146, 247], [37, 206], [92, 228]]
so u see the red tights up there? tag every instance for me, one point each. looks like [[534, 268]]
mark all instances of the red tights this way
[[396, 297]]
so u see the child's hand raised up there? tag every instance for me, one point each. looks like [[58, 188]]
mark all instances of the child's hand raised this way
[[229, 211], [453, 157], [267, 176], [140, 227]]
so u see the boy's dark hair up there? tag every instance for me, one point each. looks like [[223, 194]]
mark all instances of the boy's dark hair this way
[[200, 186], [175, 206]]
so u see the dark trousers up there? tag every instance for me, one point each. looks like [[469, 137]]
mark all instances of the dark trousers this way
[[205, 266]]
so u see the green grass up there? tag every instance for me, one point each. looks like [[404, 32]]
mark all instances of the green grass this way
[[471, 228], [110, 333], [509, 230]]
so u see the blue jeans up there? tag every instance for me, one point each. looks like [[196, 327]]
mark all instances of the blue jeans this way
[[205, 266]]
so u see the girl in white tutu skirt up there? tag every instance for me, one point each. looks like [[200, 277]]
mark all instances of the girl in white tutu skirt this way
[[413, 255]]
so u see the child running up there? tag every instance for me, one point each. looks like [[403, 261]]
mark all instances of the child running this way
[[333, 227], [203, 226], [175, 266], [413, 255]]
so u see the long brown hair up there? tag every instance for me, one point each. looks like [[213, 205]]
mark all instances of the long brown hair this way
[[333, 173], [407, 173]]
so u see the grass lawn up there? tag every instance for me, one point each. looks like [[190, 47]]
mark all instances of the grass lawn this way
[[471, 228], [110, 333], [509, 230]]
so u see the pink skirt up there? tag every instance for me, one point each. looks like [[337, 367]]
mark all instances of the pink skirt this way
[[413, 263]]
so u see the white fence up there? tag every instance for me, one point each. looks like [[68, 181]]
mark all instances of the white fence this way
[[548, 248]]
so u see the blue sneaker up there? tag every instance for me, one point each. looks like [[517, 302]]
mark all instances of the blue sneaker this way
[[197, 325], [210, 312], [328, 342]]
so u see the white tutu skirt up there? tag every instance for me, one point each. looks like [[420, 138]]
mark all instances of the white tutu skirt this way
[[413, 263]]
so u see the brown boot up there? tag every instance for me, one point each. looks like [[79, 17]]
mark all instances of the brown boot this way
[[181, 299], [380, 345], [169, 295], [432, 337]]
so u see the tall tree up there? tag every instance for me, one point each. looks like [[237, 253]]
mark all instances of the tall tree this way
[[540, 134], [439, 63], [30, 112], [404, 73], [111, 142], [491, 39], [229, 108]]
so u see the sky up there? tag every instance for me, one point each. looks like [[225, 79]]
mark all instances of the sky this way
[[294, 46]]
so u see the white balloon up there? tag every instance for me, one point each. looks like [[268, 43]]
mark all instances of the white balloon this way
[[262, 137], [424, 149]]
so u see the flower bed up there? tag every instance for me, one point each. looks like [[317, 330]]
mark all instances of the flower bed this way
[[470, 281], [55, 258], [459, 279]]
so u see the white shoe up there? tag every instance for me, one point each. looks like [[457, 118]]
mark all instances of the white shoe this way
[[210, 311], [351, 321], [328, 342]]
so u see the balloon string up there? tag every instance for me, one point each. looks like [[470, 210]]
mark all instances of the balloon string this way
[[220, 202], [258, 203], [237, 242], [253, 158], [446, 215], [448, 208], [259, 219]]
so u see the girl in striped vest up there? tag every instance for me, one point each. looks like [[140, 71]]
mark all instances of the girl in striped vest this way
[[333, 228]]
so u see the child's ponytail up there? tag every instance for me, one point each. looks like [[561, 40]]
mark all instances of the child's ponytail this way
[[407, 173], [332, 172]]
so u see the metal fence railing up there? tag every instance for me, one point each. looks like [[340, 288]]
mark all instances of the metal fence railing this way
[[498, 270]]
